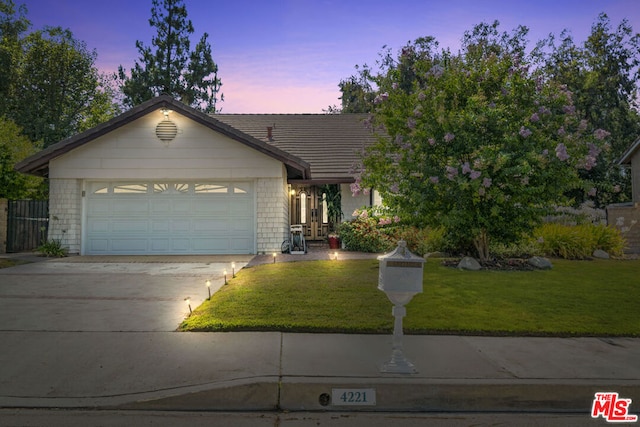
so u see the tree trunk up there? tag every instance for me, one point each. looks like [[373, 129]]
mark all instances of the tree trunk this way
[[481, 242]]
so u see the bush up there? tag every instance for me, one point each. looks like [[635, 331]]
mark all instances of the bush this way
[[53, 248], [374, 229], [368, 232], [578, 242]]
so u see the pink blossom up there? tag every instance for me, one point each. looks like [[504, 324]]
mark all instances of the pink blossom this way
[[434, 179], [422, 96], [449, 137], [451, 172], [466, 168], [592, 192], [355, 189], [417, 112], [601, 134], [583, 125], [474, 174], [524, 132], [562, 132], [569, 109], [364, 214], [534, 117], [411, 123], [616, 188], [396, 219], [561, 152], [356, 213], [432, 141], [394, 86], [486, 182], [481, 191]]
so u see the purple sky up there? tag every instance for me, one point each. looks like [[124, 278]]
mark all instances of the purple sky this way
[[288, 56]]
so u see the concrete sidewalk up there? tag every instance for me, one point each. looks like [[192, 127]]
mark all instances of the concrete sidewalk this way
[[296, 372], [80, 352]]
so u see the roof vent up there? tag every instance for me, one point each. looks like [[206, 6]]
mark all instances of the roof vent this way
[[166, 131], [269, 133]]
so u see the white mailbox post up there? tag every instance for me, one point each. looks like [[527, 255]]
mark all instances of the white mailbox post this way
[[400, 278]]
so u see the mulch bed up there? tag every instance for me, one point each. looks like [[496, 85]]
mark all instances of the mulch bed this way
[[511, 264]]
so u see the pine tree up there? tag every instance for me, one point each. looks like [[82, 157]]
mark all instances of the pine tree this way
[[169, 66]]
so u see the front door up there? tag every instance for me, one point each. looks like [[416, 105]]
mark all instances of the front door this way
[[309, 208]]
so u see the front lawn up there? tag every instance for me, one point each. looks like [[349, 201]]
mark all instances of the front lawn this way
[[600, 297]]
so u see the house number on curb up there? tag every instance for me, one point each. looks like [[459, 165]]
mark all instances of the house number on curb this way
[[353, 397]]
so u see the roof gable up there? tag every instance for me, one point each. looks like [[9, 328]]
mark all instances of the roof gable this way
[[38, 164]]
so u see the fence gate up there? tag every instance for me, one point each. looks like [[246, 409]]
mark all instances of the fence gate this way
[[27, 224]]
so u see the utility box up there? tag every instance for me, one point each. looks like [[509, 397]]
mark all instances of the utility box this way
[[401, 271]]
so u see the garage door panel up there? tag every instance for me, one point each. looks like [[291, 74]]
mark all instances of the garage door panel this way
[[129, 207], [194, 220]]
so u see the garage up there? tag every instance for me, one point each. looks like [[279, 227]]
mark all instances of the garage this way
[[177, 217]]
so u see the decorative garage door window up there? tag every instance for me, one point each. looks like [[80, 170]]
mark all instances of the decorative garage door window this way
[[165, 217]]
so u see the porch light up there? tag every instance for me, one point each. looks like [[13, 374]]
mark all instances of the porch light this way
[[208, 283], [188, 301]]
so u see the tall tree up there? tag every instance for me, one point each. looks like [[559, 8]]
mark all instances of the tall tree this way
[[603, 76], [59, 87], [476, 141], [13, 24], [14, 147], [169, 66]]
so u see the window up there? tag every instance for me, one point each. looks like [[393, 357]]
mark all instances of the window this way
[[210, 188], [130, 188]]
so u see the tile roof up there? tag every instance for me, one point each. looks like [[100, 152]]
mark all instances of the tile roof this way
[[330, 143]]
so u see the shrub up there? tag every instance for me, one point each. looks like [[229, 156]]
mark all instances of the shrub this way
[[52, 248], [578, 242], [368, 231]]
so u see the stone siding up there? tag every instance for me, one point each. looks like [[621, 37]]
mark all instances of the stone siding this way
[[4, 212], [65, 213], [626, 218]]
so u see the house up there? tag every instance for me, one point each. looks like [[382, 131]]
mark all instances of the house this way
[[626, 216], [164, 178]]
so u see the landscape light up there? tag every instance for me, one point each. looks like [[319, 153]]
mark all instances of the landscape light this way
[[335, 254], [208, 283], [225, 277], [233, 270], [188, 301], [274, 257]]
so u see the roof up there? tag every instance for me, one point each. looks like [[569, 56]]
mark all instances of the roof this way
[[38, 164], [330, 143], [626, 157]]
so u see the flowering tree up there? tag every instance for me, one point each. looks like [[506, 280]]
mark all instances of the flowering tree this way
[[475, 141]]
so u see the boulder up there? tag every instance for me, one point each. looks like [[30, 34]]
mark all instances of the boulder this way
[[540, 263], [468, 263], [599, 253]]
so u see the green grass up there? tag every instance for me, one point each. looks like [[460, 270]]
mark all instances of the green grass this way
[[583, 298]]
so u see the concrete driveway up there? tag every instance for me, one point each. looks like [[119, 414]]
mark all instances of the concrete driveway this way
[[108, 294]]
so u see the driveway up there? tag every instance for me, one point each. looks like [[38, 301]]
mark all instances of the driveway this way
[[107, 294]]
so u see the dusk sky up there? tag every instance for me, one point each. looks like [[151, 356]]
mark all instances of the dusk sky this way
[[288, 56]]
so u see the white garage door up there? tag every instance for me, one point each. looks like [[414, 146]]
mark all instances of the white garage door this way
[[137, 218]]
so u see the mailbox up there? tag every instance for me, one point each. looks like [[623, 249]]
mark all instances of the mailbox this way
[[401, 271], [400, 279]]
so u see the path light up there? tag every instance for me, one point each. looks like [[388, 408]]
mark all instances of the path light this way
[[188, 301], [208, 283], [335, 255], [274, 257], [225, 277], [233, 270]]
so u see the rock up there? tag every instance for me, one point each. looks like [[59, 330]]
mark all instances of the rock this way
[[468, 263], [540, 262], [599, 253]]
